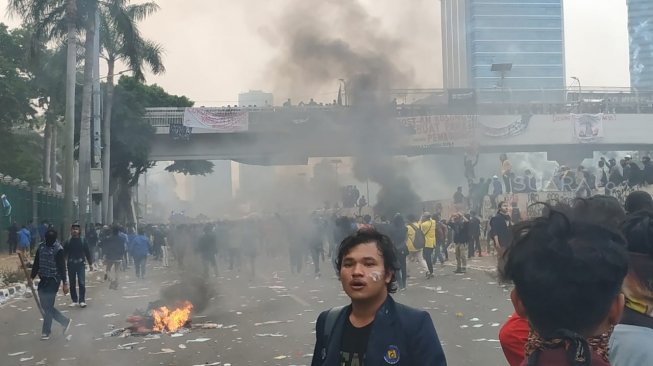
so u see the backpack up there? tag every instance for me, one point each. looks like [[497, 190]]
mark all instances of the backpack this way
[[419, 240]]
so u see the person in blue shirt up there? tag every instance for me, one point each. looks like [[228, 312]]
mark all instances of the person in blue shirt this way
[[24, 241], [139, 248], [373, 329]]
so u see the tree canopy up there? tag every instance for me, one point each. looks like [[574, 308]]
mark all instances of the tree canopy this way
[[17, 112]]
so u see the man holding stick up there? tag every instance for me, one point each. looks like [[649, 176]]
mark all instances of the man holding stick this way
[[50, 266]]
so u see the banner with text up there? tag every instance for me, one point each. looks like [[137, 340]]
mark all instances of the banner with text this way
[[516, 127], [218, 119], [588, 127], [440, 130]]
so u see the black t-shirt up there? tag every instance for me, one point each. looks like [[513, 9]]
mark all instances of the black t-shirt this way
[[354, 344]]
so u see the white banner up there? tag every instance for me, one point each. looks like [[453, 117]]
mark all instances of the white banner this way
[[219, 119], [587, 127], [517, 127], [440, 130]]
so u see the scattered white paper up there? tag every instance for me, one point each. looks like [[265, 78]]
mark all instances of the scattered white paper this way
[[198, 340], [270, 335]]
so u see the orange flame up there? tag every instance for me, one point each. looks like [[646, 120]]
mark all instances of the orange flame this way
[[170, 321]]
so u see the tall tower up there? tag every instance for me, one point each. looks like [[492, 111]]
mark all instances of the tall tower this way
[[640, 30], [508, 50], [454, 44]]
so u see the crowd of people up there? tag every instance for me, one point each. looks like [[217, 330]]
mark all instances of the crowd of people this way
[[581, 272]]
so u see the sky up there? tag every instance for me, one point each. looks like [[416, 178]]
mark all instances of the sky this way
[[215, 49]]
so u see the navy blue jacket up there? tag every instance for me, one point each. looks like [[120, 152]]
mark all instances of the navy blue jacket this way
[[400, 335]]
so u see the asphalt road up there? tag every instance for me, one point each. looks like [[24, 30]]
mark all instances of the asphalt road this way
[[267, 319]]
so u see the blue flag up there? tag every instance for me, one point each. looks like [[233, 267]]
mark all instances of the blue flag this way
[[6, 206]]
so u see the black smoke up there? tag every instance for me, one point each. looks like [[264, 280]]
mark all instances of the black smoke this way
[[323, 41]]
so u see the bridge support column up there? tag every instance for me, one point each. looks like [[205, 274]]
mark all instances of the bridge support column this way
[[571, 156]]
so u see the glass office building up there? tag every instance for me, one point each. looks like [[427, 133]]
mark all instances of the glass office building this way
[[522, 39], [640, 29]]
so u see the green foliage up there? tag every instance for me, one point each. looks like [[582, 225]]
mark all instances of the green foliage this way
[[130, 134], [16, 90], [191, 167], [17, 114], [153, 95], [23, 149]]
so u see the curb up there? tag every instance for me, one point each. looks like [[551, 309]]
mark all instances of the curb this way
[[12, 291]]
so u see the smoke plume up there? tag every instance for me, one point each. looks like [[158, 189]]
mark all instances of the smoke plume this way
[[323, 41]]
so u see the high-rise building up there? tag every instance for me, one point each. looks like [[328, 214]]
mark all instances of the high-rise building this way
[[255, 98], [507, 50], [640, 29]]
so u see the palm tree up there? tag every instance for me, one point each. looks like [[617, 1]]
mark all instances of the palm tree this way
[[87, 103], [120, 40], [58, 19]]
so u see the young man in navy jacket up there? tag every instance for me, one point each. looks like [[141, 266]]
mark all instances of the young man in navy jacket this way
[[374, 329]]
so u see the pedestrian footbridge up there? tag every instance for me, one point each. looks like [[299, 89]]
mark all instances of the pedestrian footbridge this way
[[290, 135]]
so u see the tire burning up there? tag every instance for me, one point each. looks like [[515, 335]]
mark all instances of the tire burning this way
[[166, 320]]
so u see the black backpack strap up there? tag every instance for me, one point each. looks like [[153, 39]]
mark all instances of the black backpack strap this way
[[330, 323]]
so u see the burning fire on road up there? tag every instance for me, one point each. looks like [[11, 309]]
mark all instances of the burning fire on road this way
[[166, 320]]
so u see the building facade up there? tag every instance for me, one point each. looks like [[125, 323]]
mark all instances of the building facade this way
[[640, 30], [256, 98], [526, 37]]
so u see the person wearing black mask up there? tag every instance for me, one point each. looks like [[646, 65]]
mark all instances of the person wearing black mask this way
[[50, 266]]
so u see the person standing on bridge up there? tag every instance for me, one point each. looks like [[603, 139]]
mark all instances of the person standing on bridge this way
[[373, 329]]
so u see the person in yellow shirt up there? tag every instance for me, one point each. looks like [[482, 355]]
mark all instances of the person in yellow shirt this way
[[428, 227], [415, 255]]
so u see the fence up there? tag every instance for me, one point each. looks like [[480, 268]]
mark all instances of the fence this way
[[28, 203]]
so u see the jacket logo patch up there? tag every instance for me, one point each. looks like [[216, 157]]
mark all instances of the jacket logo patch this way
[[392, 355]]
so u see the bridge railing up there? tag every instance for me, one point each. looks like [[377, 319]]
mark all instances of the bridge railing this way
[[409, 102]]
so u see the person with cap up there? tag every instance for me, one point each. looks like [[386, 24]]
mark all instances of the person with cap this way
[[77, 253], [635, 174], [50, 265]]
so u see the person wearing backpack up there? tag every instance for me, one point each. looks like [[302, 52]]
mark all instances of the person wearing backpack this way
[[415, 242], [373, 329]]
